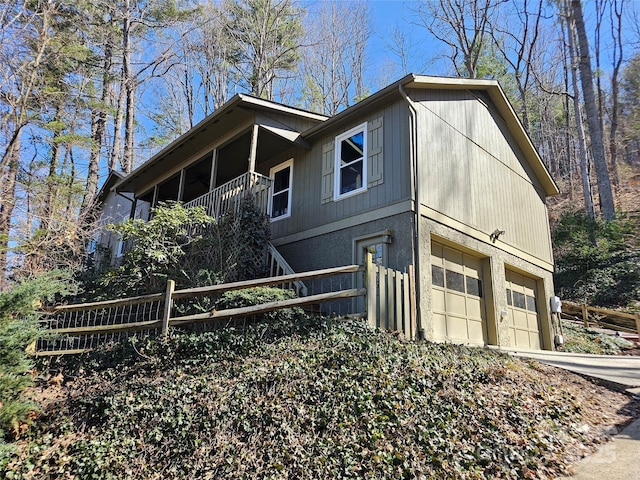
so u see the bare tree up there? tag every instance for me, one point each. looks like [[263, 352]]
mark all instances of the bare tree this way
[[516, 38], [593, 119], [616, 8], [582, 143], [27, 35], [334, 58], [463, 25]]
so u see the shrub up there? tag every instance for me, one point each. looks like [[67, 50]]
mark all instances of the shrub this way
[[188, 246], [18, 328], [160, 250], [258, 295]]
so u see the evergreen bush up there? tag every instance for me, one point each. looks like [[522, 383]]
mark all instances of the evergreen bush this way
[[18, 328]]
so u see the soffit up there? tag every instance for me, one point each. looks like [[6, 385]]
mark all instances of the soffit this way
[[240, 110]]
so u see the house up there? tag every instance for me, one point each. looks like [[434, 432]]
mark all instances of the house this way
[[114, 207], [434, 172]]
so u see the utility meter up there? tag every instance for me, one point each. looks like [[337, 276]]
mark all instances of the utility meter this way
[[556, 305]]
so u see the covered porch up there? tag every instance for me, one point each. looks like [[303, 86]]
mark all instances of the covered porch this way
[[221, 177], [227, 155]]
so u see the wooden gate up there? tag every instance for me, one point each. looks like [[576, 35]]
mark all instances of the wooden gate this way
[[391, 303]]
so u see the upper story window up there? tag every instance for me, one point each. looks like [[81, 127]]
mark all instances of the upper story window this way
[[351, 162], [282, 176]]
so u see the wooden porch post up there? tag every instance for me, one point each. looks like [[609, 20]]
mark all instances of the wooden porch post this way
[[370, 282], [183, 176], [254, 148], [214, 169], [154, 201], [168, 303]]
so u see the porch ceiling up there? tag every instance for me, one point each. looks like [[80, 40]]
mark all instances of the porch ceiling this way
[[183, 148], [240, 110]]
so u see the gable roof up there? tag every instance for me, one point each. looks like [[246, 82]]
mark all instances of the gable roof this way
[[112, 179], [240, 108], [492, 89]]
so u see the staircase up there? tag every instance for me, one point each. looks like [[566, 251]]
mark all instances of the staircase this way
[[278, 266]]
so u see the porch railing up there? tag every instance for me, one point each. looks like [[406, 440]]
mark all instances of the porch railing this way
[[226, 198], [278, 266]]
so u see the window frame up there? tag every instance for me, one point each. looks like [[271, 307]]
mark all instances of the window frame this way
[[337, 168], [120, 247], [272, 173]]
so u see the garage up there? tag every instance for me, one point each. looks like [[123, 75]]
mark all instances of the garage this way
[[524, 322], [458, 303]]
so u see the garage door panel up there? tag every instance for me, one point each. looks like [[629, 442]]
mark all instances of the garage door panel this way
[[439, 325], [522, 338], [476, 331], [438, 300], [436, 253], [458, 306], [474, 309], [520, 319], [472, 266], [455, 304], [453, 259], [522, 307]]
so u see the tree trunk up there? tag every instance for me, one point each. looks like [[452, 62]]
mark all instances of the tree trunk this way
[[98, 129], [128, 83], [582, 143], [52, 182], [616, 33], [597, 145], [7, 203]]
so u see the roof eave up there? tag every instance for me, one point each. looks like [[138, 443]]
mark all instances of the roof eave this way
[[238, 100], [493, 89]]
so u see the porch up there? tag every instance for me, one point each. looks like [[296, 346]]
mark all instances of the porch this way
[[227, 197]]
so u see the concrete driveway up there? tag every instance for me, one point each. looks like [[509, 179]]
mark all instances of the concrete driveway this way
[[623, 370], [617, 459]]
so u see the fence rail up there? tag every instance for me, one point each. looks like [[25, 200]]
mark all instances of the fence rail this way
[[389, 294], [612, 319]]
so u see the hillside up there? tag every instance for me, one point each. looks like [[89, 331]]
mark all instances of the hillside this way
[[316, 398]]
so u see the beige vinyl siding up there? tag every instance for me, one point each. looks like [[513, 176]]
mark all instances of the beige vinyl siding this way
[[312, 183], [472, 171]]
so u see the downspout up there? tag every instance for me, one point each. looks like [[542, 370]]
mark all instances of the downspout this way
[[413, 152]]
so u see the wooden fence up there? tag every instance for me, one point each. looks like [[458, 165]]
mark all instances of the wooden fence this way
[[612, 319], [81, 327], [392, 304]]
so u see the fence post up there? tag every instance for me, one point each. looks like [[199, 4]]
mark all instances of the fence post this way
[[412, 303], [585, 315], [370, 282], [168, 303]]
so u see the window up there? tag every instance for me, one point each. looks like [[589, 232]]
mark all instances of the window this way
[[351, 162], [280, 205], [120, 247], [377, 253]]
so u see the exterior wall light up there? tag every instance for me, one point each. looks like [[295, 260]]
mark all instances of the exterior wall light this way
[[387, 236], [496, 234]]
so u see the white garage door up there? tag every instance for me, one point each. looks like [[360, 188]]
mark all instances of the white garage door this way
[[458, 304], [524, 324]]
